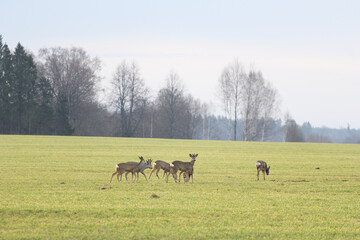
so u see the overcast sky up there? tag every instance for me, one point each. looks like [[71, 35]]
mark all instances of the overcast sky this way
[[309, 50]]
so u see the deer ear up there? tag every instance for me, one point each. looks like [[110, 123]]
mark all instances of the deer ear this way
[[269, 167], [196, 155], [190, 154]]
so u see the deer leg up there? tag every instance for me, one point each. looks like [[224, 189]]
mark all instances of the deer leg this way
[[142, 174], [264, 174], [112, 176], [158, 172], [180, 175], [126, 175], [175, 177], [152, 172], [258, 171], [167, 176], [132, 177], [120, 176]]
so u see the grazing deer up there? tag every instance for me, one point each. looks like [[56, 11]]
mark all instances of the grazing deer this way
[[126, 167], [140, 168], [187, 175], [182, 166], [158, 165], [262, 166]]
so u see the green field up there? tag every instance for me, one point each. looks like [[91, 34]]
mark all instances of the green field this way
[[50, 189]]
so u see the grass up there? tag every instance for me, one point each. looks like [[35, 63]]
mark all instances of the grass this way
[[50, 189]]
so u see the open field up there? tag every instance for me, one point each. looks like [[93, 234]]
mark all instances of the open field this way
[[50, 189]]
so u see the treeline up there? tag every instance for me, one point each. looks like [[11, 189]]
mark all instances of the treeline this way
[[56, 93]]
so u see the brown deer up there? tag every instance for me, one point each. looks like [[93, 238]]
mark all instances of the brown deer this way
[[126, 167], [158, 165], [140, 169], [183, 167], [187, 175], [262, 166]]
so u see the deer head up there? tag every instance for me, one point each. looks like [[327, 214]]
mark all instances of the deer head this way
[[267, 170], [148, 162], [193, 156], [142, 160]]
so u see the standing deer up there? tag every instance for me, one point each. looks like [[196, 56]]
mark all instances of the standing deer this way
[[158, 165], [126, 167], [140, 168], [183, 167], [262, 166], [147, 165]]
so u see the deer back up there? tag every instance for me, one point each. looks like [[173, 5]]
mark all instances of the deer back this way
[[162, 165]]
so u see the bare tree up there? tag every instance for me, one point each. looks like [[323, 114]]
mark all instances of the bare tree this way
[[130, 97], [270, 107], [252, 100], [73, 76], [171, 103], [231, 82], [250, 96]]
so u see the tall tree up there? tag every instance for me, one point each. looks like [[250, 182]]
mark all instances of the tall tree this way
[[252, 101], [171, 104], [5, 78], [248, 96], [23, 88], [73, 76], [269, 109], [130, 97], [231, 82]]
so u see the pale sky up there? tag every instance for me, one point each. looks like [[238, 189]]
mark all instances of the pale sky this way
[[309, 50]]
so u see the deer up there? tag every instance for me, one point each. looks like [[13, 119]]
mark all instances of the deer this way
[[126, 167], [262, 166], [140, 168], [147, 165], [158, 165], [183, 167], [187, 175]]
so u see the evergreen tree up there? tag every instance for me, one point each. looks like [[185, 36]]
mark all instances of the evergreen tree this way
[[6, 77], [44, 114], [23, 89]]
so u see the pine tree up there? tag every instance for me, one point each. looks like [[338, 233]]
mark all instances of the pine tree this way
[[23, 89], [6, 77]]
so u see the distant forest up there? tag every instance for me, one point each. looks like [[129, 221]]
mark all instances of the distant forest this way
[[57, 93]]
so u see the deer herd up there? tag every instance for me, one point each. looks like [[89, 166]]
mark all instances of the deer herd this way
[[185, 168]]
